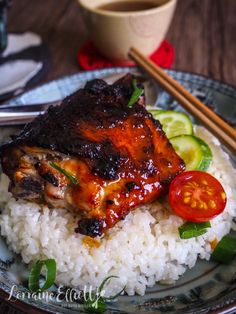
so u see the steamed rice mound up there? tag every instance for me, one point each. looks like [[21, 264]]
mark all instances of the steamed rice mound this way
[[141, 250]]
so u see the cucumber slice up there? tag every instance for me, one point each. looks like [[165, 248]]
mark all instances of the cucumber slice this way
[[189, 149], [194, 151], [155, 112], [207, 155], [174, 123]]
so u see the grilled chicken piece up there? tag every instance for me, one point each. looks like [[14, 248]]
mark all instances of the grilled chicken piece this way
[[119, 156]]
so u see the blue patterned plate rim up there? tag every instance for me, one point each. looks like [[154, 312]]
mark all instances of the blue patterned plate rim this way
[[229, 89]]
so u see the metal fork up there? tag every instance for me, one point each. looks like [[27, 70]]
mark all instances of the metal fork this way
[[21, 114]]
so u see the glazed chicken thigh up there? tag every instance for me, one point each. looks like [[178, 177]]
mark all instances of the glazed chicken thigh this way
[[94, 155]]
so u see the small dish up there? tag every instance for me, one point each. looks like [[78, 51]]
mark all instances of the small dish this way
[[113, 32]]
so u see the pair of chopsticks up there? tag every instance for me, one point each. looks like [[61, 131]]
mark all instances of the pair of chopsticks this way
[[225, 133]]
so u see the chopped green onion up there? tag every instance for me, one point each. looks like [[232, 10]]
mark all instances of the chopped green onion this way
[[65, 172], [225, 250], [34, 275], [97, 304], [136, 94], [115, 296], [102, 285], [191, 229]]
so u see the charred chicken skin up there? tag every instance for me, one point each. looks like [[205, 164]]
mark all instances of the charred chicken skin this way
[[119, 156]]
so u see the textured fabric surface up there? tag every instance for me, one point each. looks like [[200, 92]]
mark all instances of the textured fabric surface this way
[[90, 59]]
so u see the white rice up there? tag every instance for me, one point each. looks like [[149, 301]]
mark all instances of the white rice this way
[[141, 250]]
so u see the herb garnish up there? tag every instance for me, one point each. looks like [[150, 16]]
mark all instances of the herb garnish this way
[[225, 250], [94, 302], [97, 303], [34, 275], [136, 93], [69, 176], [192, 230]]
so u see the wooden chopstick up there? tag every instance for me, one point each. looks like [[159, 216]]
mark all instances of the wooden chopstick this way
[[205, 115]]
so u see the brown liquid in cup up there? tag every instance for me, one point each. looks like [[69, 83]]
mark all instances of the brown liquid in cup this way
[[127, 6]]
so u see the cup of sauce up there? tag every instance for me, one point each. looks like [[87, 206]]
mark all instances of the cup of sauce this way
[[116, 25]]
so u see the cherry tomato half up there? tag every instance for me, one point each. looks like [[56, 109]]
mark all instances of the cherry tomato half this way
[[197, 196]]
